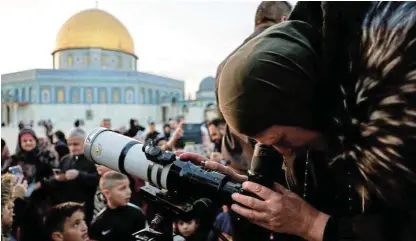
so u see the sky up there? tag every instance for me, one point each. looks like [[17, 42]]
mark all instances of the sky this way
[[185, 40]]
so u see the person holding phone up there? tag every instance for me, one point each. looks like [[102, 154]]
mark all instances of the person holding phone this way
[[36, 165], [76, 179]]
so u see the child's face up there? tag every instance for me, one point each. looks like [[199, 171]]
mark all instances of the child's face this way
[[7, 217], [75, 229], [187, 228], [76, 145], [120, 194]]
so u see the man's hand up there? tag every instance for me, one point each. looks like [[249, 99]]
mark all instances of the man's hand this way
[[71, 174], [178, 132], [281, 211], [211, 165], [60, 177]]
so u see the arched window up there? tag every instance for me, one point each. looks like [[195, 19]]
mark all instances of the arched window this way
[[143, 96], [157, 101], [103, 60], [23, 91], [46, 97], [103, 95], [75, 96], [88, 95], [70, 60], [116, 95], [33, 96], [150, 96], [120, 62], [129, 96], [29, 98], [78, 60], [132, 64], [61, 96]]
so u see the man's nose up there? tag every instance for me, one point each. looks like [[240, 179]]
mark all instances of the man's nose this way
[[84, 226]]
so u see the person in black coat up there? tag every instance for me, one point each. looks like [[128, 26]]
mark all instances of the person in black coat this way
[[134, 128], [61, 144]]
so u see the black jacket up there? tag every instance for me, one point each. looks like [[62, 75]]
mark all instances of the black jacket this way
[[81, 189], [117, 224]]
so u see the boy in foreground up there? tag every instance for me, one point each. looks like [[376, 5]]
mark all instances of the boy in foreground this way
[[66, 222], [120, 219]]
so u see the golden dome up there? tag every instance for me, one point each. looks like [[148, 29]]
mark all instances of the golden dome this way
[[94, 28]]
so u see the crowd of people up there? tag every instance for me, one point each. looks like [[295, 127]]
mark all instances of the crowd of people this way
[[329, 85]]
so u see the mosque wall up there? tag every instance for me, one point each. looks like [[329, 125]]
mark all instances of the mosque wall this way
[[206, 95], [19, 92], [90, 87], [67, 93], [118, 113], [94, 59], [70, 94]]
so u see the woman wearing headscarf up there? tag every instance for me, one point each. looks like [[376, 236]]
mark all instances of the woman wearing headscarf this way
[[36, 164], [37, 167], [360, 156]]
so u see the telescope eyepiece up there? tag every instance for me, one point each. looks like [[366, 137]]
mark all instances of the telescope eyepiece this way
[[155, 154]]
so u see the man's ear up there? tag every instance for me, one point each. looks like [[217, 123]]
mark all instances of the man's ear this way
[[106, 192], [57, 236], [283, 18]]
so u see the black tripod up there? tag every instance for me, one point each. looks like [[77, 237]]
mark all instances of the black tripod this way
[[165, 209]]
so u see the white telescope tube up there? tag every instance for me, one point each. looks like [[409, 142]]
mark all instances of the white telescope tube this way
[[124, 154]]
